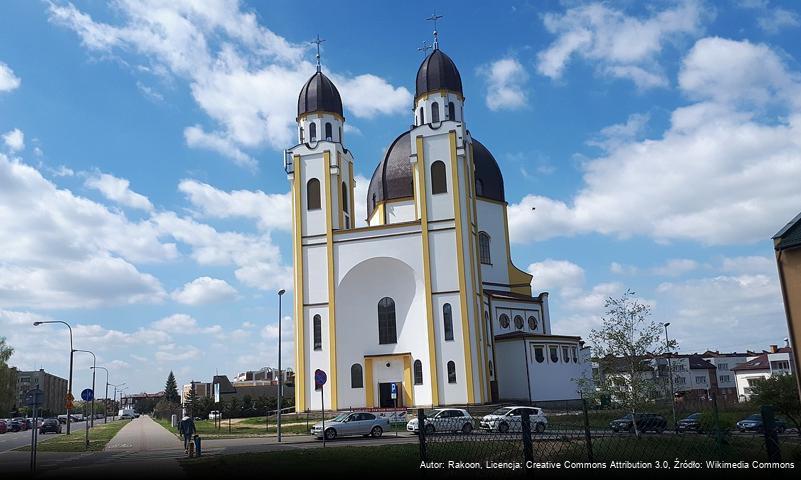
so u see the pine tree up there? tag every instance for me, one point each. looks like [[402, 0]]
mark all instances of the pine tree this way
[[171, 390]]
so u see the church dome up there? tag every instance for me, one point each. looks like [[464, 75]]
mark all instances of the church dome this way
[[393, 178], [319, 95], [438, 72]]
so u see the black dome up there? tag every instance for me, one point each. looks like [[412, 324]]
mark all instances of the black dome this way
[[438, 72], [393, 178], [319, 95]]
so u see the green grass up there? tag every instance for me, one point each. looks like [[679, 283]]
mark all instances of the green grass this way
[[255, 427], [76, 441]]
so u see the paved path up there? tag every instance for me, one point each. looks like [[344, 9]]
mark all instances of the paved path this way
[[144, 434]]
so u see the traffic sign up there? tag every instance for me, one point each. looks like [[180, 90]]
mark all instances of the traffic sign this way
[[33, 398], [87, 395], [319, 378], [394, 391], [68, 401]]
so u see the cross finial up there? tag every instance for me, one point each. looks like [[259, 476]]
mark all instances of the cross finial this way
[[318, 41], [434, 17], [424, 48]]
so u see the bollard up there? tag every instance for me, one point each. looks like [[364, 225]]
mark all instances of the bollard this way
[[197, 445]]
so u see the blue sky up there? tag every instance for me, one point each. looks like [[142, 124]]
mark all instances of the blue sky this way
[[142, 196]]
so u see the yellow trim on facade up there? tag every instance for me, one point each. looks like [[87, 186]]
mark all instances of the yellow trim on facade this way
[[320, 115], [369, 401], [332, 322], [442, 93], [369, 385], [297, 251], [340, 176], [408, 388], [352, 208], [432, 347], [516, 276], [465, 313], [481, 352]]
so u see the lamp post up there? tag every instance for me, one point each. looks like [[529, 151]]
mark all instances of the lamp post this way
[[670, 373], [94, 363], [105, 397], [114, 400], [69, 383], [280, 373]]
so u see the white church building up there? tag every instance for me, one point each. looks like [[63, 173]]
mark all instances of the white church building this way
[[425, 297]]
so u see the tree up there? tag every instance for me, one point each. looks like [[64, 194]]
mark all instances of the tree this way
[[190, 401], [171, 390], [165, 409], [780, 391], [626, 345], [7, 379]]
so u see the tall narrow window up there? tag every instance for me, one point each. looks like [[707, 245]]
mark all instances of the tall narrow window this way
[[301, 134], [356, 379], [447, 318], [386, 321], [439, 181], [484, 248], [435, 112], [418, 372], [451, 372], [329, 134], [479, 187], [344, 197], [422, 116], [451, 111], [373, 199], [313, 131], [313, 194], [340, 135], [318, 333]]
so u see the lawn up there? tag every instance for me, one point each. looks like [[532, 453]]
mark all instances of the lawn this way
[[76, 442], [256, 427]]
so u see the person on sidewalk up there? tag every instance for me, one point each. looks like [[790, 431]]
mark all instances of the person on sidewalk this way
[[187, 429]]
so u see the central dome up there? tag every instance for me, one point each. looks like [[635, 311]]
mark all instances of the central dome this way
[[438, 72], [393, 178]]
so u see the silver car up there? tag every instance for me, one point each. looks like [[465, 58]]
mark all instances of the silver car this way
[[444, 420], [351, 423]]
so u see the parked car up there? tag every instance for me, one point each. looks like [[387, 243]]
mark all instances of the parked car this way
[[14, 426], [127, 416], [754, 423], [691, 423], [3, 426], [444, 420], [509, 419], [352, 423], [645, 422], [215, 415], [50, 425], [24, 424]]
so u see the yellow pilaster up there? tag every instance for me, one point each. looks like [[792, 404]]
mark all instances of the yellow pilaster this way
[[332, 322], [368, 383], [297, 254]]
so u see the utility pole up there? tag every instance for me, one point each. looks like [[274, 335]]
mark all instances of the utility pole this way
[[670, 373], [280, 373]]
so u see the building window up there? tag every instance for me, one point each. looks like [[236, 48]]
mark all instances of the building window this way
[[700, 379], [479, 187], [518, 322], [447, 318], [554, 353], [318, 333], [435, 112], [565, 354], [313, 131], [418, 372], [723, 366], [504, 320], [489, 328], [356, 379], [484, 248], [313, 194], [574, 354], [439, 181], [329, 134], [532, 323], [386, 321], [451, 111], [491, 371], [339, 129], [301, 134], [725, 379], [539, 353], [451, 372], [422, 117], [680, 380], [373, 200], [344, 197]]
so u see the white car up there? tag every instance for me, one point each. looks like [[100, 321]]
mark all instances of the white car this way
[[509, 419], [215, 415], [444, 420]]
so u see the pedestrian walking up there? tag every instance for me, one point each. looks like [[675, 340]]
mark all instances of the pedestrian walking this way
[[187, 429]]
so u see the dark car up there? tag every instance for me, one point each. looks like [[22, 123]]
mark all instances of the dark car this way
[[24, 424], [51, 425], [754, 423], [691, 423], [14, 426], [3, 426], [645, 422]]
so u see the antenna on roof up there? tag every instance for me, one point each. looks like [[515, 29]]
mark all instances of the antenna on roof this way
[[424, 48], [434, 17], [318, 41]]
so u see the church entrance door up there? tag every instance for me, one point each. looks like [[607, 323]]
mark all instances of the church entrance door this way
[[385, 399]]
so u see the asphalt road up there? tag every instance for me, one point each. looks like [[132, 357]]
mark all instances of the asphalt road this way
[[12, 440]]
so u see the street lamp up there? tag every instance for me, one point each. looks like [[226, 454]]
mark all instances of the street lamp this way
[[105, 397], [670, 373], [280, 373], [94, 363], [69, 384], [114, 400]]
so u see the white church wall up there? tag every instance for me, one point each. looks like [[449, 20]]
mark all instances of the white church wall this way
[[510, 370], [444, 270], [490, 220], [315, 274], [436, 145], [450, 350], [312, 167], [401, 211], [316, 358], [554, 380]]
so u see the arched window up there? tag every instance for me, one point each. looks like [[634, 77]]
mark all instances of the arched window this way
[[504, 320], [344, 197], [491, 371], [386, 321], [539, 353], [418, 372], [340, 134], [435, 112], [318, 333], [451, 372], [484, 248], [439, 182], [422, 116], [447, 318], [313, 194], [301, 134], [532, 322], [329, 134], [479, 187], [451, 111], [313, 131], [356, 379], [518, 322]]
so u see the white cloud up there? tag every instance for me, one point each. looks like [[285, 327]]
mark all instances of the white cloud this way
[[118, 190], [368, 96], [749, 265], [270, 210], [177, 353], [556, 276], [196, 137], [621, 45], [181, 323], [8, 81], [777, 19], [505, 82], [613, 136], [204, 290], [675, 267], [621, 269], [14, 140]]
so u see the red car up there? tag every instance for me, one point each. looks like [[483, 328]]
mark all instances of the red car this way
[[3, 426]]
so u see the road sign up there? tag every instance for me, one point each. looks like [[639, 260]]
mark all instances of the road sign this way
[[33, 398], [216, 393], [87, 395], [394, 391], [68, 401], [320, 378]]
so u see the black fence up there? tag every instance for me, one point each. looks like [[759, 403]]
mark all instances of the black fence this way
[[532, 438]]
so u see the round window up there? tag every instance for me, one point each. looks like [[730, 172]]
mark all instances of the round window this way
[[532, 323], [504, 320], [518, 322]]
